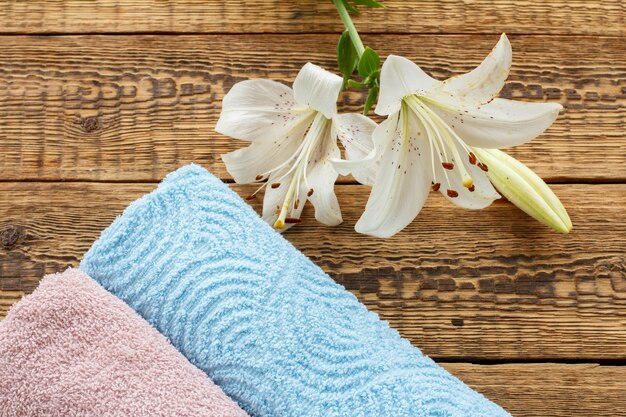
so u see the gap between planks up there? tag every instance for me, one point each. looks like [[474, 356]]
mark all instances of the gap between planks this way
[[491, 284], [132, 108], [232, 16]]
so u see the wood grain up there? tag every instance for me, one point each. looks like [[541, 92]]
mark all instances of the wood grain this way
[[549, 390], [490, 284], [111, 115], [237, 16], [132, 108]]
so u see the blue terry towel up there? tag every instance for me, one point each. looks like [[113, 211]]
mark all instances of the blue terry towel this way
[[266, 324]]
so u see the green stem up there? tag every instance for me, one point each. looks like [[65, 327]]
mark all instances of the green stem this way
[[347, 22]]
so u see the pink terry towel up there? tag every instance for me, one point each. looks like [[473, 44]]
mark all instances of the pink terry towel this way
[[73, 349]]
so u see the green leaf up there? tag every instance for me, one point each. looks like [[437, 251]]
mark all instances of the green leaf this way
[[368, 3], [371, 98], [356, 84], [347, 57], [349, 7], [369, 62]]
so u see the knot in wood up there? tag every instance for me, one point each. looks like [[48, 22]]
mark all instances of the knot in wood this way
[[90, 124], [10, 234], [614, 269]]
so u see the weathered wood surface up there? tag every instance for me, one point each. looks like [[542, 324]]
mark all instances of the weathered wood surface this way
[[238, 16], [490, 284], [113, 114], [548, 389], [132, 108]]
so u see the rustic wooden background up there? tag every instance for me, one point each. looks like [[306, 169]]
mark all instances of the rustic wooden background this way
[[100, 99]]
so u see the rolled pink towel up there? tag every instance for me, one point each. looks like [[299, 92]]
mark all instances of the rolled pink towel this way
[[73, 349]]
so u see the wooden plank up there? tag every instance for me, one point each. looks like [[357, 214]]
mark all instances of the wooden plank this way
[[235, 16], [548, 389], [132, 108], [490, 284]]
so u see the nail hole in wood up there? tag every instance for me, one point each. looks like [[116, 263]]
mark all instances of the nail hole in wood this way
[[457, 322]]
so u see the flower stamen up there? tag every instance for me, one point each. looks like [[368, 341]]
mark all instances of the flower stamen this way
[[299, 171], [449, 136], [433, 123], [431, 133]]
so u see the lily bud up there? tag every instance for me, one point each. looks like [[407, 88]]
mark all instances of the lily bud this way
[[521, 186]]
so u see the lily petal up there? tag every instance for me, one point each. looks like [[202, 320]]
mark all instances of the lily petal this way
[[321, 180], [355, 133], [401, 185], [483, 83], [317, 89], [261, 157], [400, 77], [501, 123], [257, 110]]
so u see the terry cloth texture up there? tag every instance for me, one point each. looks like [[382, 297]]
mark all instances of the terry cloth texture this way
[[266, 324], [73, 349]]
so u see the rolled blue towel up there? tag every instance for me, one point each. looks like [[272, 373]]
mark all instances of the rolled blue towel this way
[[265, 323]]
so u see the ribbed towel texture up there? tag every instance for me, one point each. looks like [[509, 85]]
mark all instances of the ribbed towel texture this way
[[73, 349], [266, 324]]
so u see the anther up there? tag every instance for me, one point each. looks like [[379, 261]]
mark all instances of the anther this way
[[483, 167], [447, 165], [295, 204], [259, 177], [250, 197], [472, 158], [310, 193], [472, 188], [436, 186], [452, 193], [292, 220], [279, 224], [275, 185]]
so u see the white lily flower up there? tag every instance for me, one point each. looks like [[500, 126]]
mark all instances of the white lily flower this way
[[430, 137], [294, 134]]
